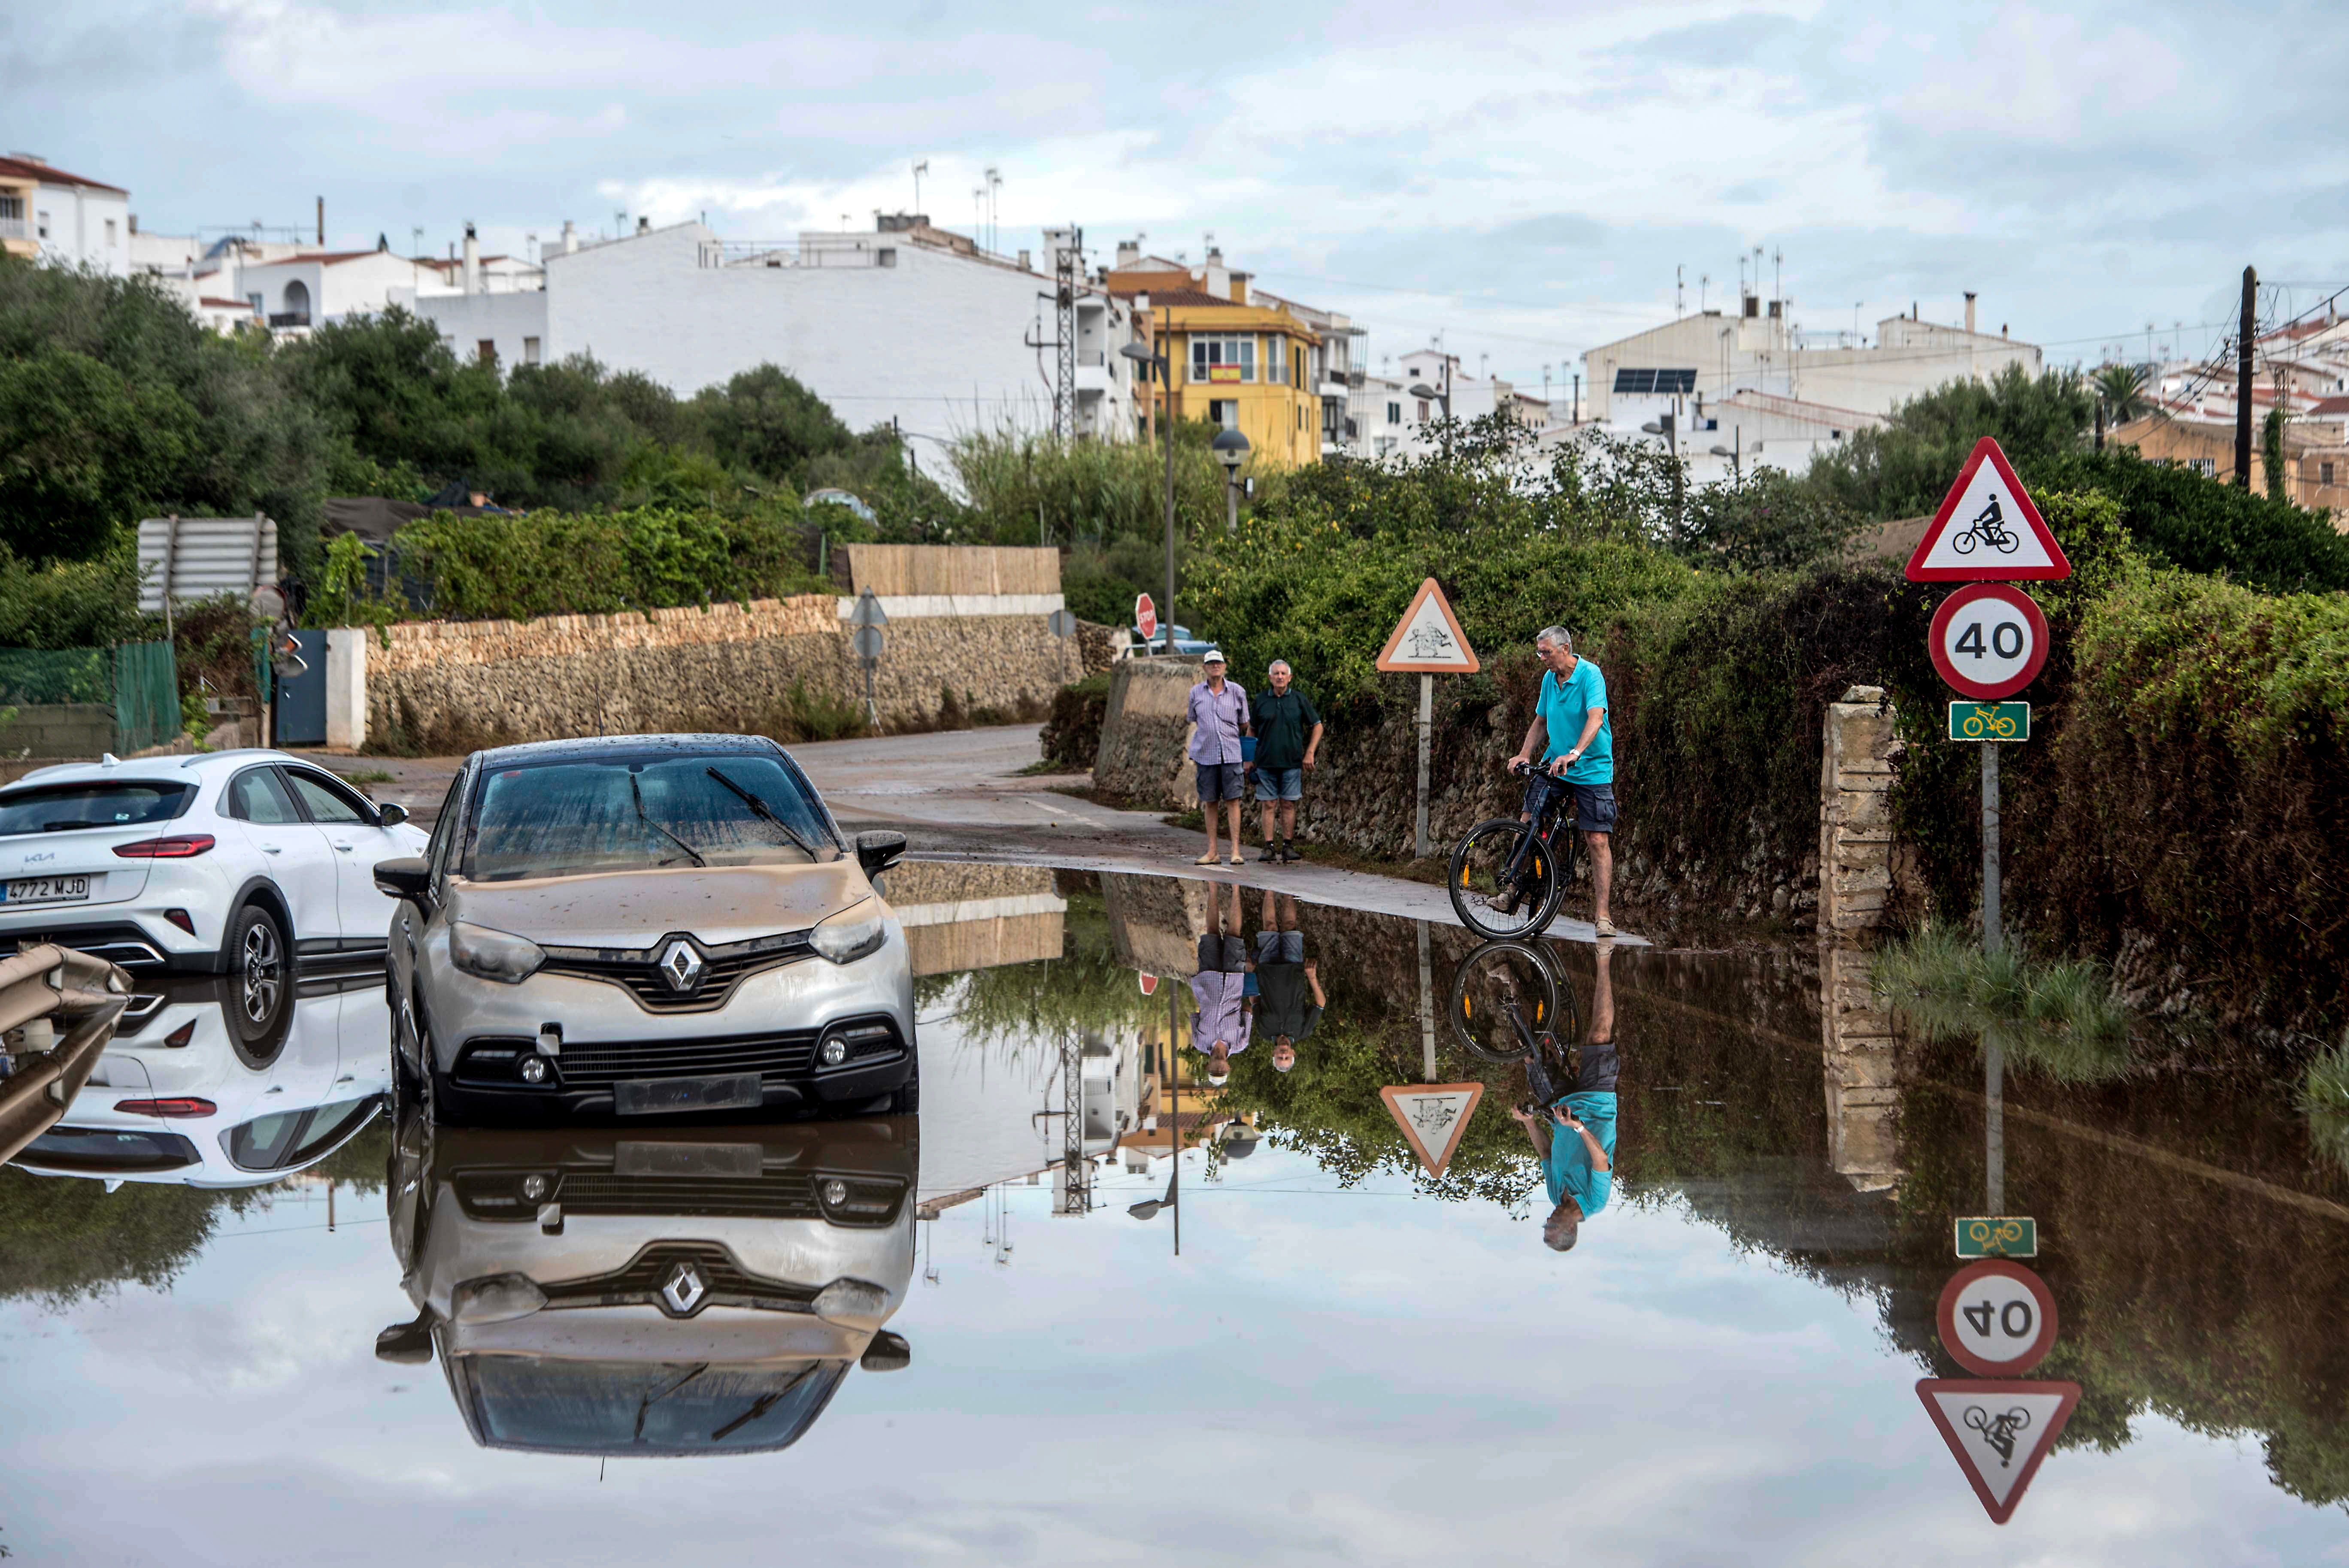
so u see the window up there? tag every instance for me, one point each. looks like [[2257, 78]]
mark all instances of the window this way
[[530, 351], [61, 808], [1225, 412], [1633, 381], [254, 300], [1276, 358], [44, 225], [2325, 473], [486, 351], [12, 207], [2206, 467], [1394, 413], [259, 795], [1423, 411], [1225, 359], [624, 813], [327, 803], [887, 256], [290, 1137], [110, 233]]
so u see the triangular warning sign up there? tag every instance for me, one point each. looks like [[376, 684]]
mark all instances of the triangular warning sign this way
[[1433, 1116], [1428, 640], [1999, 1428], [1149, 983], [1987, 529]]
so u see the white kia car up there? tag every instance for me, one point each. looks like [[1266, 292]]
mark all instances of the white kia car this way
[[243, 863], [180, 1096]]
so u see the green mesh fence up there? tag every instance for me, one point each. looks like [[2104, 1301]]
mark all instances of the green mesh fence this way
[[146, 696]]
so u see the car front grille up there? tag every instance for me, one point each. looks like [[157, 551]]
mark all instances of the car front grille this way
[[724, 1282], [772, 1197], [639, 971], [601, 1064]]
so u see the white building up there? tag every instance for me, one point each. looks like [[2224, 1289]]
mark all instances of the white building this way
[[49, 215], [1390, 417], [905, 323], [1637, 379]]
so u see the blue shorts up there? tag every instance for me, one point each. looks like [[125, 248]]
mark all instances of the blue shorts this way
[[1594, 804], [1280, 783], [1220, 781]]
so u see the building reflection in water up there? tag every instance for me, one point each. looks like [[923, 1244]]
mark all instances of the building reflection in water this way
[[641, 1291]]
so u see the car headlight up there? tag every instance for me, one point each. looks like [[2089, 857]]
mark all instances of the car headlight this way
[[494, 954], [856, 931]]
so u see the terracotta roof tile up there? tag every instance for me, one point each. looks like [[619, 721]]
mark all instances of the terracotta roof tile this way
[[18, 168]]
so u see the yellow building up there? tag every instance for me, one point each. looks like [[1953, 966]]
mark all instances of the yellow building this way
[[1237, 362]]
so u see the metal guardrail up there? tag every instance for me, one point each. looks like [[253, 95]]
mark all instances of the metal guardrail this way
[[16, 229], [58, 1012]]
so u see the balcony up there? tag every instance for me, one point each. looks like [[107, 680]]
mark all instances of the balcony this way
[[290, 318], [16, 229]]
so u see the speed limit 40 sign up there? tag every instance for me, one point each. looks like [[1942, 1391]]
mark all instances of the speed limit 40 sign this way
[[1998, 1318], [1988, 640]]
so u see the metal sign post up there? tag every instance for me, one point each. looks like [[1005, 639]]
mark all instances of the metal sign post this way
[[868, 618], [1427, 642]]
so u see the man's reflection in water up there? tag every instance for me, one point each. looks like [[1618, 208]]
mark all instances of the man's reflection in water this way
[[1220, 1023], [1289, 1000], [1576, 1139]]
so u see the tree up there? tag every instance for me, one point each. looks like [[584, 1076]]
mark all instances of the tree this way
[[2122, 389], [766, 422], [1903, 468], [83, 451], [2271, 458]]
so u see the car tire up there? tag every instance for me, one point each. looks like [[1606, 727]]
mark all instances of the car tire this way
[[260, 1001], [906, 1100]]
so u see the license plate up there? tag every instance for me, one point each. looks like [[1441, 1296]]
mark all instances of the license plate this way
[[643, 1097], [636, 1159], [47, 890]]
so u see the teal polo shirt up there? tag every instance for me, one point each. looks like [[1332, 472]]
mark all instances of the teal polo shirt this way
[[1565, 706], [1570, 1172]]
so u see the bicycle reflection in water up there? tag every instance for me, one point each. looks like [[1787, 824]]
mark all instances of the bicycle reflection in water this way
[[1509, 1004]]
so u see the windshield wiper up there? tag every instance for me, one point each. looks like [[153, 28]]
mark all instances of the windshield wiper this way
[[759, 1406], [663, 1392], [764, 811], [636, 792]]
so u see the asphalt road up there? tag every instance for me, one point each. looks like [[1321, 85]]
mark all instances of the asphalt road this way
[[962, 795]]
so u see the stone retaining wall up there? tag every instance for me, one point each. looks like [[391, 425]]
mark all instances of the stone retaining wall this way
[[1147, 732], [449, 687]]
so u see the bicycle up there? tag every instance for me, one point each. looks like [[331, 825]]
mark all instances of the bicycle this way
[[1507, 877], [1989, 527], [1512, 992]]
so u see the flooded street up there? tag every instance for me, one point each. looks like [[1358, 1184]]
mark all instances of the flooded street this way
[[311, 1329]]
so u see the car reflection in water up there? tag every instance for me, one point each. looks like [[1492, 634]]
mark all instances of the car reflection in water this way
[[704, 1291], [181, 1095]]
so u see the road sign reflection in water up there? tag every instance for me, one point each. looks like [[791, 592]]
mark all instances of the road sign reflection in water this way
[[1997, 1236], [1997, 1429], [1433, 1117], [1997, 1318]]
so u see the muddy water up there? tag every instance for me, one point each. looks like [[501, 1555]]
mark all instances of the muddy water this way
[[1349, 1360]]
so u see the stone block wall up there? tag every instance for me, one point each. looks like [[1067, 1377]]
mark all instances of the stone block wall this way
[[1145, 733], [449, 687], [77, 730], [1856, 851]]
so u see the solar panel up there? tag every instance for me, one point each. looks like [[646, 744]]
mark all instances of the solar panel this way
[[1639, 381]]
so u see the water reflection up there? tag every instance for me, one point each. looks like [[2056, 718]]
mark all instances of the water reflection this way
[[670, 1291]]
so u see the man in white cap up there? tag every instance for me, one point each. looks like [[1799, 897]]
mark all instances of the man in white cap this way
[[1219, 717]]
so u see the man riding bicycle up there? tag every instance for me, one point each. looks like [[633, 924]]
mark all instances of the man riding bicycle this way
[[1571, 734]]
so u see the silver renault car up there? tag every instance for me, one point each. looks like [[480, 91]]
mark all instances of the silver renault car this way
[[646, 926]]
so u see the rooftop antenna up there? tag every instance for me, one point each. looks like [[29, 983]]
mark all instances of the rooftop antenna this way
[[416, 239], [994, 208], [919, 169], [1703, 282], [1680, 290], [1778, 277]]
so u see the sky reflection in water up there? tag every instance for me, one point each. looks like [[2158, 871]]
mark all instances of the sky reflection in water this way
[[1340, 1368]]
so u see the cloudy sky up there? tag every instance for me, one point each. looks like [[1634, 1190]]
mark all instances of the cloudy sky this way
[[1524, 179]]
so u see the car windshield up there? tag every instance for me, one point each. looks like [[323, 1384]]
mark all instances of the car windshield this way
[[96, 803], [659, 1407], [623, 813]]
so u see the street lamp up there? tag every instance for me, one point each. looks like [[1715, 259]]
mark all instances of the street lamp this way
[[1736, 455], [1421, 390], [1148, 1208], [1143, 354], [1231, 450]]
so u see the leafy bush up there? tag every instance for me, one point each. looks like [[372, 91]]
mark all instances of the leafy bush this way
[[554, 563], [71, 604], [1904, 467], [2060, 1018], [2186, 519], [1071, 736]]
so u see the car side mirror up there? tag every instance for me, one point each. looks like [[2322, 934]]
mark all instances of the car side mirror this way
[[407, 1343], [409, 877], [878, 849], [390, 815], [888, 1353]]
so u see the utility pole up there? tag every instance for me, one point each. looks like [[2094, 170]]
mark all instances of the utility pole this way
[[2243, 378]]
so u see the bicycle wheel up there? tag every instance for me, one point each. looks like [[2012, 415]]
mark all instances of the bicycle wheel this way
[[1489, 900], [1505, 999], [1963, 541]]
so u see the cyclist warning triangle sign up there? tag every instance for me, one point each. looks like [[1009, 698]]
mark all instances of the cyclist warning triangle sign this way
[[1428, 640], [1433, 1116], [1999, 1428], [1987, 529]]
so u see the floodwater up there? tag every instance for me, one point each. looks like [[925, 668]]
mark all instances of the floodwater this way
[[260, 1356]]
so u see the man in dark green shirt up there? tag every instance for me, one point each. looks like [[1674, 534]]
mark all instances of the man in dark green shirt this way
[[1288, 733], [1290, 1002]]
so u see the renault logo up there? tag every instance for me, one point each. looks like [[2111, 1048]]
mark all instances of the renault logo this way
[[681, 965], [684, 1289]]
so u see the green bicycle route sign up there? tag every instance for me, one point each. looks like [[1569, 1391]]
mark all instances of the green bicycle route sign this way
[[1990, 721], [1997, 1236]]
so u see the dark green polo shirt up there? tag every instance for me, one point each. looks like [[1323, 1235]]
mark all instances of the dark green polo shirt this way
[[1282, 724]]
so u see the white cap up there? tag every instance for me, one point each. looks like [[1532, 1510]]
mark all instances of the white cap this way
[[1213, 656]]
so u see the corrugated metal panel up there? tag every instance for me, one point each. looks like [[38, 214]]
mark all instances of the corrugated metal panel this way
[[197, 557]]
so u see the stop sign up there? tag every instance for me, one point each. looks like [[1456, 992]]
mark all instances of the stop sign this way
[[1145, 615]]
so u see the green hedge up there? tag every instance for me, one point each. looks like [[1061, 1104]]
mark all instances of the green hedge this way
[[558, 563]]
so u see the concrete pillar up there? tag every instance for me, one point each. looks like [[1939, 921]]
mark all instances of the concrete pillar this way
[[346, 704], [1856, 844]]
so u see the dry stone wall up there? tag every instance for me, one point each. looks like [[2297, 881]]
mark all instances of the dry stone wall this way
[[449, 687]]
